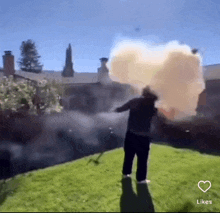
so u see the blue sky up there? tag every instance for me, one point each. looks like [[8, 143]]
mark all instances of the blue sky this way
[[92, 27]]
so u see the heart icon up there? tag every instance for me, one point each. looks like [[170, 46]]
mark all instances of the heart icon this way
[[201, 181]]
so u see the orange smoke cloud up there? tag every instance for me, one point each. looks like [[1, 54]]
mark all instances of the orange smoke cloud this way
[[171, 70]]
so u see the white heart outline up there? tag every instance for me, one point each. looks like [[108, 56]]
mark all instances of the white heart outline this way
[[207, 181]]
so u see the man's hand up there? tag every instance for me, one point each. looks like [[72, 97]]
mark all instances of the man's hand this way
[[114, 110]]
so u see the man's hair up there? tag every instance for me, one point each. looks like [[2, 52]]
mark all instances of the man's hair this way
[[148, 94]]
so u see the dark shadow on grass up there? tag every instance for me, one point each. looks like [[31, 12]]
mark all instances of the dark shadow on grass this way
[[130, 202], [3, 193], [144, 198], [187, 207], [96, 161], [7, 188]]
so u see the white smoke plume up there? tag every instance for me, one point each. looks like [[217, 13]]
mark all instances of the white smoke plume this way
[[172, 71]]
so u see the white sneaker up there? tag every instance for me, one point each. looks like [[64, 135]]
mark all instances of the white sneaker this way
[[126, 176], [143, 181]]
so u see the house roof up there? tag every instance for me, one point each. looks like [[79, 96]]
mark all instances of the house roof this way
[[77, 78], [211, 71]]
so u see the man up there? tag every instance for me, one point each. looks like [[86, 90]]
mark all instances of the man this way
[[137, 139]]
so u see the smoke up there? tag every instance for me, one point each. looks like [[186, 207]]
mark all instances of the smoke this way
[[38, 142], [86, 126], [172, 71]]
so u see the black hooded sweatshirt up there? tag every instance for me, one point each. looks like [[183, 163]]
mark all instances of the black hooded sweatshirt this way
[[141, 112]]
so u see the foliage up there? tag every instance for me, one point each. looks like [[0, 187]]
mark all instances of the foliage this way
[[50, 92], [29, 60], [19, 96]]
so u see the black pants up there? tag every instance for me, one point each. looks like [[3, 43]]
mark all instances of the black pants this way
[[139, 145]]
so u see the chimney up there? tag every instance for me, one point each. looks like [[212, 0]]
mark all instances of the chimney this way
[[8, 64], [103, 72]]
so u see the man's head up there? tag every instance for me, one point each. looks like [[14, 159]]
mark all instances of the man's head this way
[[148, 94]]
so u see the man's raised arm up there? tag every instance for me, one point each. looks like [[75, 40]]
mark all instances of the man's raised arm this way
[[124, 107]]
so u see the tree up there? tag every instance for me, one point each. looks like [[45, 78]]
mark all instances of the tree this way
[[29, 60]]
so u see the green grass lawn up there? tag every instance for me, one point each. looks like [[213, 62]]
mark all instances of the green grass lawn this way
[[83, 185]]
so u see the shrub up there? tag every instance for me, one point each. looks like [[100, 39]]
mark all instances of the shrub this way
[[27, 96]]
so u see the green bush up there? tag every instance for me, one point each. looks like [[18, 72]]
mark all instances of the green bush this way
[[16, 96]]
